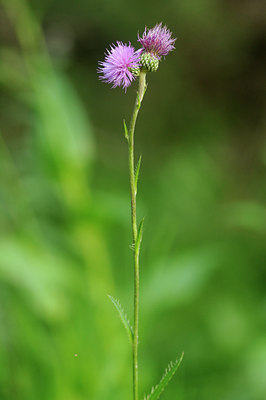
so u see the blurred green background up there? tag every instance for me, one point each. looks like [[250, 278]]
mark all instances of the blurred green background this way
[[64, 202]]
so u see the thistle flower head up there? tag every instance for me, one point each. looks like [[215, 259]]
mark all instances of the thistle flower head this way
[[120, 65], [157, 41]]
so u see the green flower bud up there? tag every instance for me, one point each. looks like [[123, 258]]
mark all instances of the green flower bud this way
[[135, 71], [149, 62]]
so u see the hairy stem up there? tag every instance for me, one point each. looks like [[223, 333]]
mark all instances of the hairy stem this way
[[136, 244]]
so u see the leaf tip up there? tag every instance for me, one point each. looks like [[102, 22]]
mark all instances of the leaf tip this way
[[125, 129]]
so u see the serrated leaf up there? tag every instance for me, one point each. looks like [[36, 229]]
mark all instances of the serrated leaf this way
[[125, 129], [123, 317], [137, 174], [132, 246], [139, 236], [167, 376]]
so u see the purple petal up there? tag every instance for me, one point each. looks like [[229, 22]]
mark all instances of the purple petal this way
[[157, 40], [115, 68]]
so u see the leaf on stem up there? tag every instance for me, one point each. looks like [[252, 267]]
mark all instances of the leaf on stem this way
[[123, 317], [125, 129], [146, 86], [139, 236], [167, 376], [137, 174], [139, 100]]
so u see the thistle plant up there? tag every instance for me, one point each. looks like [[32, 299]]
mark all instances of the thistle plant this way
[[121, 66]]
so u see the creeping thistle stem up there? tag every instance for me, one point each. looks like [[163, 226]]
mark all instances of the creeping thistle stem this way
[[136, 243]]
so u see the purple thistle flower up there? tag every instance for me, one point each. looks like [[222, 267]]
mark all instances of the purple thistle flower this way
[[157, 40], [120, 62]]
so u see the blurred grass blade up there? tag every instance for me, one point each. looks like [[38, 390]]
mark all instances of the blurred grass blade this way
[[168, 375], [123, 317]]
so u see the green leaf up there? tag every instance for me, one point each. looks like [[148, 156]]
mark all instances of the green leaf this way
[[167, 376], [125, 129], [123, 317], [137, 174], [139, 101], [146, 86], [140, 233]]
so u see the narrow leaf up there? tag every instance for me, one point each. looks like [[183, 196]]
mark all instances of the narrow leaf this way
[[145, 89], [123, 317], [167, 376], [137, 174], [139, 237], [125, 129], [139, 101]]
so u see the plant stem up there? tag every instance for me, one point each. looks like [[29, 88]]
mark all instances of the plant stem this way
[[136, 244]]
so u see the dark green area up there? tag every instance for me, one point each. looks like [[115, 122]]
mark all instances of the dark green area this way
[[65, 206]]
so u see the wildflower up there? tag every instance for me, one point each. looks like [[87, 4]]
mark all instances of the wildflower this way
[[121, 65], [156, 42]]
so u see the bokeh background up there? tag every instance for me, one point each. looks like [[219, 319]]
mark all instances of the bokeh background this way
[[64, 202]]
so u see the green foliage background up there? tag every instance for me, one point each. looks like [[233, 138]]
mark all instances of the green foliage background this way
[[64, 202]]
